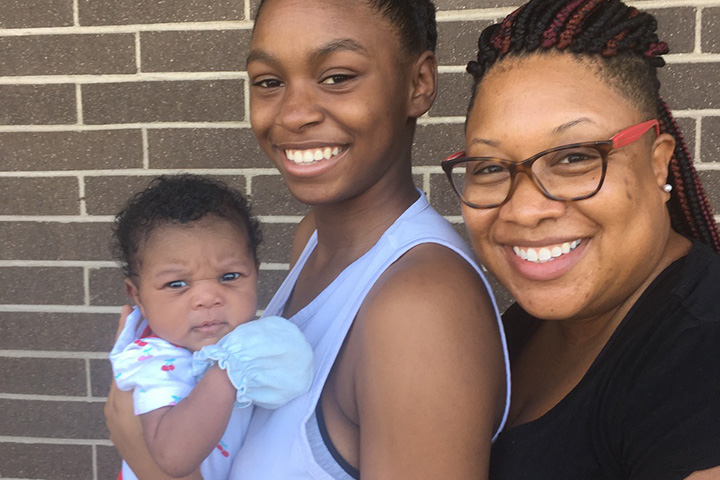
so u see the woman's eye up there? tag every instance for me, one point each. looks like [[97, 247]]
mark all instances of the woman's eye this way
[[336, 79], [176, 284], [267, 83], [229, 277]]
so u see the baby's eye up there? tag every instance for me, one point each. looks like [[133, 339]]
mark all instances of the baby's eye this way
[[337, 79], [176, 284], [229, 277]]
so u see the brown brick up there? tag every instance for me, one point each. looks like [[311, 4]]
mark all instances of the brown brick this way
[[711, 182], [60, 462], [43, 376], [687, 128], [41, 286], [205, 148], [37, 104], [277, 239], [198, 51], [108, 195], [690, 86], [108, 462], [271, 197], [86, 150], [68, 54], [201, 101], [29, 418], [54, 241], [100, 377], [39, 196], [710, 40], [676, 27], [107, 287], [442, 196], [36, 13], [710, 146], [453, 96], [268, 283], [433, 143], [123, 12], [457, 41], [71, 332]]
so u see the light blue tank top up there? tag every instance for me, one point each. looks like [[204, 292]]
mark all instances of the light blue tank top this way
[[277, 445]]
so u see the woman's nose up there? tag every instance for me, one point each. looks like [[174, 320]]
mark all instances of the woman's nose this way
[[299, 108], [528, 205]]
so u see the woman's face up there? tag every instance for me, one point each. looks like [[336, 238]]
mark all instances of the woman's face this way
[[526, 105], [330, 96]]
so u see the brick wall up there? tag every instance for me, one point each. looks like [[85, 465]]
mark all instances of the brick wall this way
[[98, 96]]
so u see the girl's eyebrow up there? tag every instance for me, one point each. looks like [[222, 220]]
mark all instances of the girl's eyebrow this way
[[346, 44]]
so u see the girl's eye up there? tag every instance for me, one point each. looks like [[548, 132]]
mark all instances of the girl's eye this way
[[267, 83], [228, 277], [336, 79], [176, 284]]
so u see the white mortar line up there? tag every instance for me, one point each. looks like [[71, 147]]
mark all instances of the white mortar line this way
[[698, 30], [50, 398], [698, 142], [707, 166], [280, 218], [58, 263], [81, 194], [274, 266], [19, 308], [88, 383], [53, 354], [145, 148], [121, 78], [57, 218], [119, 126], [140, 172], [94, 462], [79, 104], [138, 55], [246, 10], [76, 13], [86, 286], [55, 441], [143, 27]]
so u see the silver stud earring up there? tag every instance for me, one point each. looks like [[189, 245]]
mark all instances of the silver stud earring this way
[[667, 187]]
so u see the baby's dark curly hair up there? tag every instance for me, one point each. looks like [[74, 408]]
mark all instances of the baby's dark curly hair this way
[[179, 200]]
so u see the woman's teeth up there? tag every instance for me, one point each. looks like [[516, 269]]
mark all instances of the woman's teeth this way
[[312, 154], [546, 254]]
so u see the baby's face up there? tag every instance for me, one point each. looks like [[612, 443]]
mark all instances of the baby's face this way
[[196, 282]]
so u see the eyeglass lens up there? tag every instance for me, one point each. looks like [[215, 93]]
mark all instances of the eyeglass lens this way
[[565, 174]]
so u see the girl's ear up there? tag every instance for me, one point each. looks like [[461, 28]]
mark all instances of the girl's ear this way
[[134, 294], [424, 84], [662, 152]]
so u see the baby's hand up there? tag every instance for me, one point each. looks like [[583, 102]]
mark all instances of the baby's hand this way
[[268, 361]]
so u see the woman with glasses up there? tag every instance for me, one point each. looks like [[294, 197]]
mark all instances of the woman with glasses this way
[[580, 197]]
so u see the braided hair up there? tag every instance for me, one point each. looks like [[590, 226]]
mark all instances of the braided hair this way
[[622, 41]]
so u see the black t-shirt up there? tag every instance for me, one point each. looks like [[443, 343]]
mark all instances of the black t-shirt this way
[[649, 406]]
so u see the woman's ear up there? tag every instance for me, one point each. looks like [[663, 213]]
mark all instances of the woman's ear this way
[[662, 152], [424, 84]]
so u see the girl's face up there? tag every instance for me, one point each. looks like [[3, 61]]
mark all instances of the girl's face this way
[[527, 105], [332, 97]]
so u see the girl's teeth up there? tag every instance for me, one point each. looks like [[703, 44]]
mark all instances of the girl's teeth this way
[[312, 155], [545, 254]]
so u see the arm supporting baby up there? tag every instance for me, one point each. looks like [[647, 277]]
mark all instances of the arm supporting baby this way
[[180, 437]]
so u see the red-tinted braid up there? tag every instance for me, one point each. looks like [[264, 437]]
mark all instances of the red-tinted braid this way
[[611, 29]]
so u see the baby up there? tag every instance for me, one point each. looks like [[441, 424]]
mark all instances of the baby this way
[[188, 247]]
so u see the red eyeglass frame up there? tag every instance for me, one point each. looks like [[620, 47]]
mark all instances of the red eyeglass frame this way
[[621, 139]]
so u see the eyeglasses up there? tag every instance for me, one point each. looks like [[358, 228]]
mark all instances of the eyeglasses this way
[[569, 172]]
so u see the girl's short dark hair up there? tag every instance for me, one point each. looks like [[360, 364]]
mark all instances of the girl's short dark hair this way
[[413, 19], [178, 200]]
